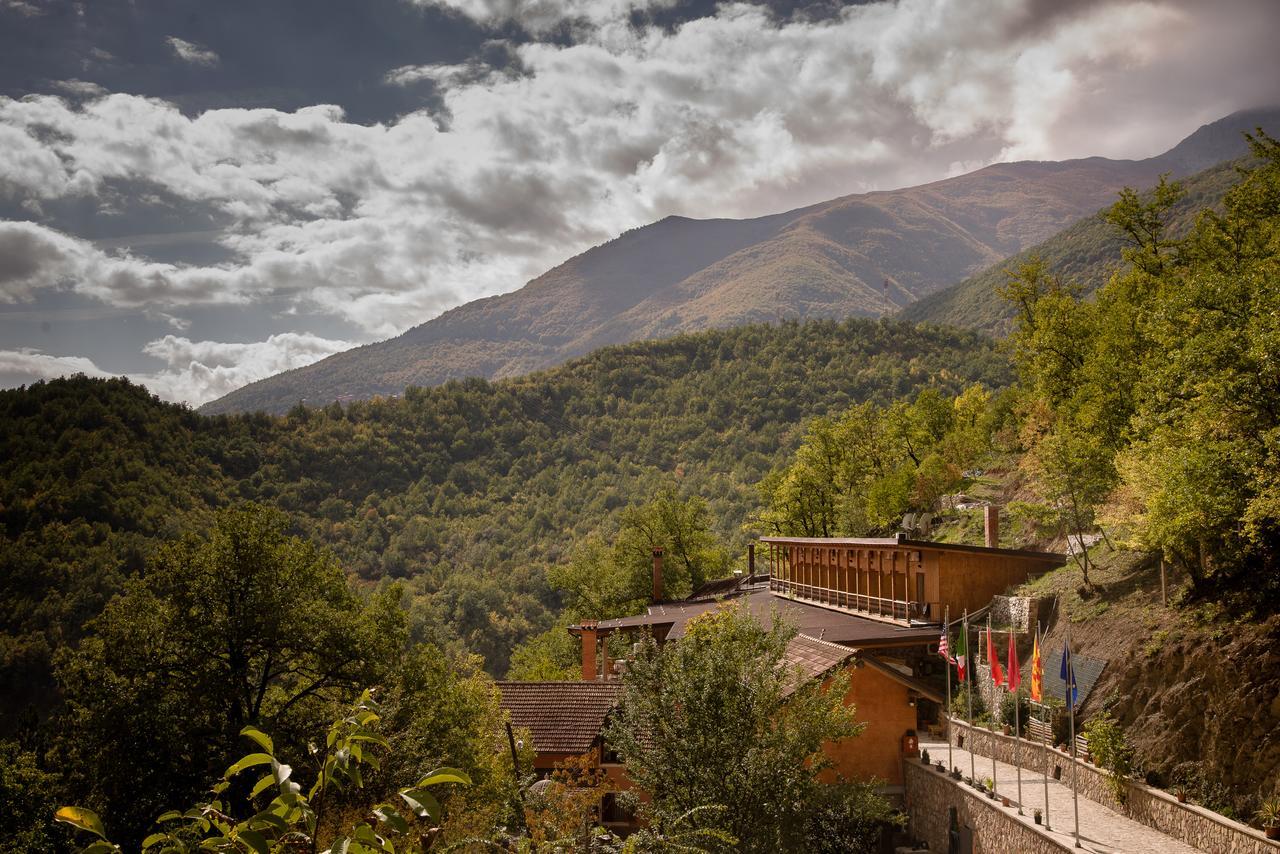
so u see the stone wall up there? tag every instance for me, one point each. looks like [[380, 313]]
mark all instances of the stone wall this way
[[1014, 612], [930, 797], [1194, 825]]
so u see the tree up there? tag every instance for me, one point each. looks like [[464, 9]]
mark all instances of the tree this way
[[709, 720], [248, 626], [28, 796]]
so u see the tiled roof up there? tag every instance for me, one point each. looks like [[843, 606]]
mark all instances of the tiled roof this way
[[562, 717], [813, 658], [812, 620]]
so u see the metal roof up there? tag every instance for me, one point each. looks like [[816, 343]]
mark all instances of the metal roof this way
[[868, 542], [811, 620]]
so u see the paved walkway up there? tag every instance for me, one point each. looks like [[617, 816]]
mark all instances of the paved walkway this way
[[1101, 829]]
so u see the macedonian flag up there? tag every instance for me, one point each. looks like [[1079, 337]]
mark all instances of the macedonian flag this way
[[1037, 671]]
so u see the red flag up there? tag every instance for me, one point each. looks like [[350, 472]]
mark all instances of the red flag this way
[[1015, 672], [997, 676]]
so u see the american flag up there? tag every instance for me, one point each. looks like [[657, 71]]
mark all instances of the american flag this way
[[944, 648]]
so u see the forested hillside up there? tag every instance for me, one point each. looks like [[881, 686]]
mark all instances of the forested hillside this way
[[468, 491], [1085, 253]]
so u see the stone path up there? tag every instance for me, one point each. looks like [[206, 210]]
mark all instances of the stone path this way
[[1102, 830]]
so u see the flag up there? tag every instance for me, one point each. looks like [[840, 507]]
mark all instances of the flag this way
[[1037, 672], [1070, 693], [944, 646], [997, 676], [962, 653], [1015, 672]]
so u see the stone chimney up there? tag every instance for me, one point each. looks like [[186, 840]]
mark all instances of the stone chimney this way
[[657, 575], [751, 560], [991, 520], [589, 638]]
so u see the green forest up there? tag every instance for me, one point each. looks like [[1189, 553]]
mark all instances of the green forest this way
[[169, 579]]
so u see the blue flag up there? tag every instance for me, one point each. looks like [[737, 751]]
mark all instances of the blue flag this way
[[1067, 673]]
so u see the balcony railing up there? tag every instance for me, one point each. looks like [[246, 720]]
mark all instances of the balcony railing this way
[[898, 610]]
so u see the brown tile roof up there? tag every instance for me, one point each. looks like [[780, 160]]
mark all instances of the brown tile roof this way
[[562, 717], [812, 620], [813, 658]]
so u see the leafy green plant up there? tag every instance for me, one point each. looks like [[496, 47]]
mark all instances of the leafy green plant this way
[[1112, 751], [294, 819]]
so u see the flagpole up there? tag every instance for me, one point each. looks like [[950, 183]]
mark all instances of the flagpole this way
[[1044, 740], [995, 701], [968, 689], [946, 663], [1071, 708], [1017, 725]]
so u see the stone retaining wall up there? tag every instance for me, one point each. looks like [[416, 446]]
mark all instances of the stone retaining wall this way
[[930, 797], [1194, 825]]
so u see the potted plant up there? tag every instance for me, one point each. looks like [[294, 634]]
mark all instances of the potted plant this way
[[942, 769], [1004, 801], [1268, 815], [1039, 814], [924, 757], [1180, 793], [989, 787], [955, 773]]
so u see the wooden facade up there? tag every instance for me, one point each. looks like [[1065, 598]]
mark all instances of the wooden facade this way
[[897, 580]]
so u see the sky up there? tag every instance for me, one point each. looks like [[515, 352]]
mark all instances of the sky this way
[[199, 195]]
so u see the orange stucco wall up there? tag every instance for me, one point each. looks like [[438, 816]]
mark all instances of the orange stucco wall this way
[[882, 705]]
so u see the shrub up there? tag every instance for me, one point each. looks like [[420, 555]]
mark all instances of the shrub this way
[[1111, 750]]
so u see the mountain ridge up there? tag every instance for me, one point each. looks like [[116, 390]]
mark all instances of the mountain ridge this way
[[865, 254]]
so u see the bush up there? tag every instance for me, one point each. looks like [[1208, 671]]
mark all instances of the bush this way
[[1112, 751], [1023, 702], [960, 704], [849, 817]]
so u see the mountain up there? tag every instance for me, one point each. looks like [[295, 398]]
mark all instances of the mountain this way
[[1086, 253], [866, 254]]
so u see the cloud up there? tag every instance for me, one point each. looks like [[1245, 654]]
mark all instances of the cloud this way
[[539, 16], [192, 53], [195, 372], [552, 146], [79, 88], [21, 7], [200, 371], [34, 257], [33, 365]]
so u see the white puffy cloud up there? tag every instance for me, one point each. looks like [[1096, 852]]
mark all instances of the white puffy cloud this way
[[33, 365], [575, 140], [191, 52], [200, 371], [195, 372], [34, 257]]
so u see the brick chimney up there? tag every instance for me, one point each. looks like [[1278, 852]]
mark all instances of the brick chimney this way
[[991, 520], [589, 637], [657, 575]]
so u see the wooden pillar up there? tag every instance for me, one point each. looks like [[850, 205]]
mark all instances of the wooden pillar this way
[[589, 636]]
